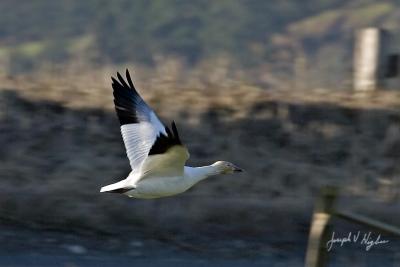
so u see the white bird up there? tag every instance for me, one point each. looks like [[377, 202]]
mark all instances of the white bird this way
[[156, 154]]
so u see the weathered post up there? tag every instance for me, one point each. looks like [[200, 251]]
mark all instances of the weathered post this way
[[370, 59], [316, 255]]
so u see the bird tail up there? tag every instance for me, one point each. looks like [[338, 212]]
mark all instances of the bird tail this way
[[118, 187]]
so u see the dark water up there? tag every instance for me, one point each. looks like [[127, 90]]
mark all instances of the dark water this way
[[23, 247], [41, 260]]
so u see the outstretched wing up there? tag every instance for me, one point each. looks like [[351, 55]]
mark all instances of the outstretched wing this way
[[167, 157], [143, 133]]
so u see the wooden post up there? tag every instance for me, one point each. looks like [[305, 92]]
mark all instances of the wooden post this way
[[370, 59], [319, 233]]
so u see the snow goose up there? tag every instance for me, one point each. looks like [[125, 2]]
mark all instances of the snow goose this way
[[156, 153]]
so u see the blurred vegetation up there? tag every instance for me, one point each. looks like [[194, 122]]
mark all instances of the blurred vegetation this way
[[297, 38], [60, 142]]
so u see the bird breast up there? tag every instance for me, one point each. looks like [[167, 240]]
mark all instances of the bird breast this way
[[156, 187]]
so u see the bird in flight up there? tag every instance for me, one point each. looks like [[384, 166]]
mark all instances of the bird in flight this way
[[155, 152]]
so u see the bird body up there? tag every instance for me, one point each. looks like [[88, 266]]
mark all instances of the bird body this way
[[156, 153], [160, 185], [163, 186]]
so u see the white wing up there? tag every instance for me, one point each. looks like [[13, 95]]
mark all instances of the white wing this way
[[167, 164], [143, 133], [138, 139]]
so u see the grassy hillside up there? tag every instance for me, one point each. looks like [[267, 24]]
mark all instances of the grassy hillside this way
[[306, 45]]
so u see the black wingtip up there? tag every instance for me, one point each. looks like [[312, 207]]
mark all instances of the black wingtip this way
[[165, 142], [119, 76], [126, 99], [175, 132], [121, 80], [128, 77], [114, 80]]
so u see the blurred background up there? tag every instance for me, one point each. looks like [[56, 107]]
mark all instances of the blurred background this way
[[266, 85]]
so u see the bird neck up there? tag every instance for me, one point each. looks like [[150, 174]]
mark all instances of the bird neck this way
[[196, 174]]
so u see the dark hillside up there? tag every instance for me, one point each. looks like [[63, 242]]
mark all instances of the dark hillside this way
[[55, 158]]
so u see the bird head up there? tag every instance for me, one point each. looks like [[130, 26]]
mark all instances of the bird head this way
[[225, 167]]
